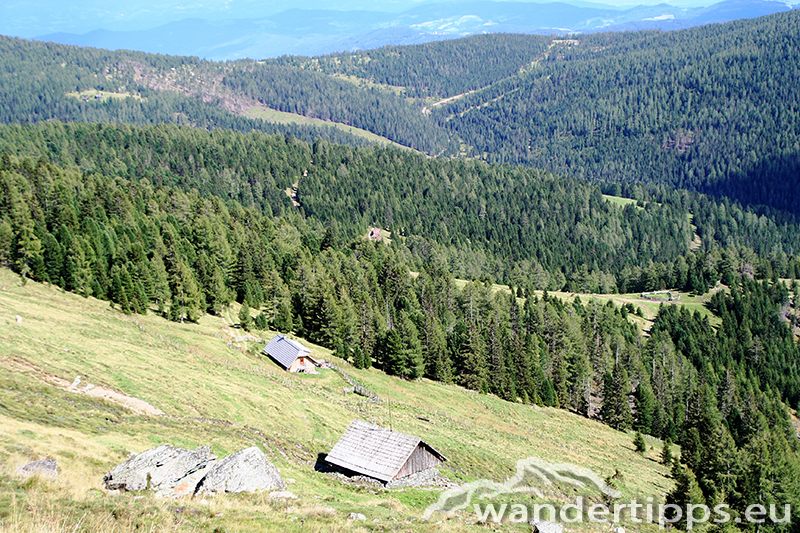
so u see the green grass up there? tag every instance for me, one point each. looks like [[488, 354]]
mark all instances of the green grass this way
[[370, 84], [649, 307], [620, 201], [227, 398], [279, 117], [91, 93]]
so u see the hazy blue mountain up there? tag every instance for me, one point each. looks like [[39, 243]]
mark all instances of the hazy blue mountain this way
[[38, 17], [322, 31]]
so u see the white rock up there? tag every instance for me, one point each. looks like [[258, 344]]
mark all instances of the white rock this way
[[356, 516], [282, 495], [544, 526]]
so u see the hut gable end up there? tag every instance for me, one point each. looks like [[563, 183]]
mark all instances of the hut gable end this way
[[420, 459]]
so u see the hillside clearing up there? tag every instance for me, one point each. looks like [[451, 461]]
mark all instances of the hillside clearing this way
[[649, 307], [99, 95], [622, 201], [279, 117], [214, 393]]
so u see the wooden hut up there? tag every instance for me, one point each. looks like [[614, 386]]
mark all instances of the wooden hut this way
[[291, 355], [381, 453]]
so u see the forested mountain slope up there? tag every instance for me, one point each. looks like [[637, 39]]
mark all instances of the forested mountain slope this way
[[710, 109], [437, 70], [505, 223], [160, 243], [46, 81], [713, 109]]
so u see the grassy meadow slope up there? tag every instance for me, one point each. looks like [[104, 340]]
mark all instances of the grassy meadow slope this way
[[279, 117], [648, 306], [216, 391]]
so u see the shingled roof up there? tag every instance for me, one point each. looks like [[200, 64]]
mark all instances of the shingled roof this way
[[375, 451], [285, 351]]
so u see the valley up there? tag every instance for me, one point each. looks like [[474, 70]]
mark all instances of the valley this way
[[569, 265]]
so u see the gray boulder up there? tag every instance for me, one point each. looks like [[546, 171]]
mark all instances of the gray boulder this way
[[46, 467], [162, 467], [247, 470], [182, 466], [133, 474], [187, 486], [544, 526]]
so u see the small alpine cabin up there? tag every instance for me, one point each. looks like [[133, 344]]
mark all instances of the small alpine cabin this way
[[291, 355], [381, 453]]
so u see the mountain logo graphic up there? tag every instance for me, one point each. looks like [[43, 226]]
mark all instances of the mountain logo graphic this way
[[532, 475]]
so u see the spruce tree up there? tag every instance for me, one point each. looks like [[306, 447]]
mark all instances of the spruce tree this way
[[357, 357], [217, 293], [128, 286], [283, 318], [616, 411], [548, 394], [686, 492], [360, 358], [142, 302], [346, 353], [473, 358], [260, 321], [666, 453], [392, 356], [639, 443], [366, 360], [245, 320], [645, 408], [692, 448], [118, 291], [28, 258]]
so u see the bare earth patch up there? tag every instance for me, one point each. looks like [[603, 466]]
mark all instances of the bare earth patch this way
[[136, 405]]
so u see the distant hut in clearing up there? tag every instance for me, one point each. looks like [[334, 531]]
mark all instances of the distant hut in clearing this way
[[291, 355], [381, 453]]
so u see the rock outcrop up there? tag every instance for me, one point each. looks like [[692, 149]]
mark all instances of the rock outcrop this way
[[158, 468], [46, 467], [247, 470], [177, 472], [182, 466]]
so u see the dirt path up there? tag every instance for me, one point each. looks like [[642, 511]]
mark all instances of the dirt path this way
[[136, 405], [291, 192], [448, 100]]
